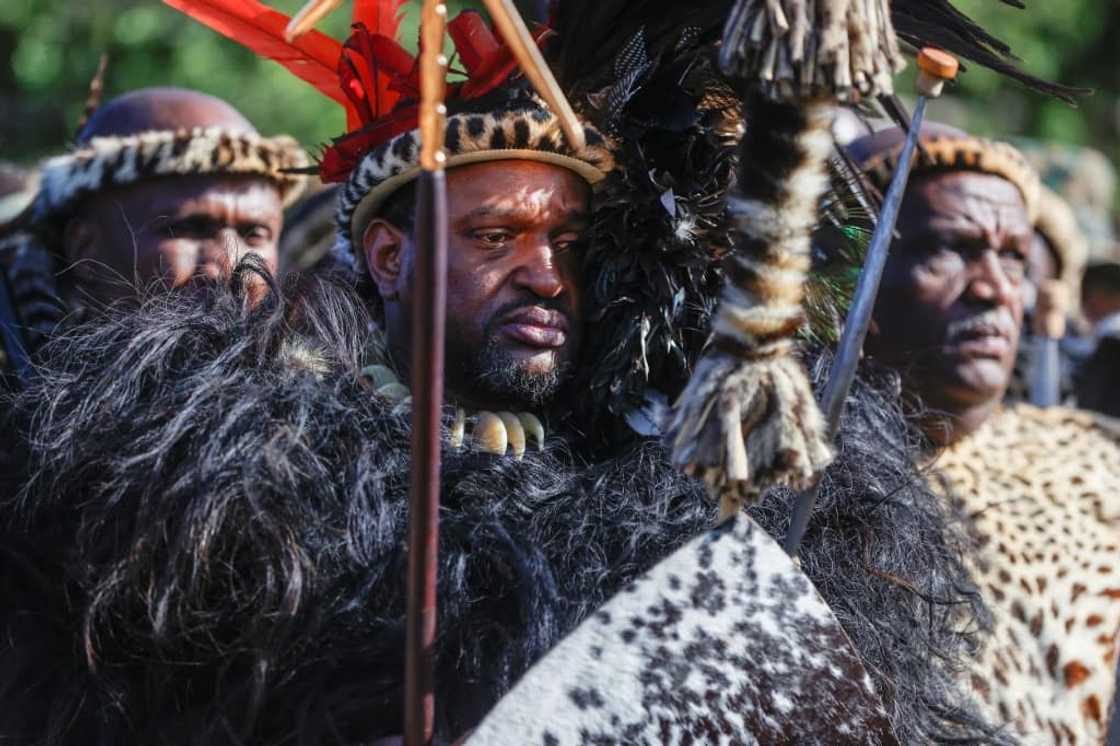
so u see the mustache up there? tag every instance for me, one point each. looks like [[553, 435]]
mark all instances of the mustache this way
[[994, 321]]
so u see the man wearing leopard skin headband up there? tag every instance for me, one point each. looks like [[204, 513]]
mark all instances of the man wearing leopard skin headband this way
[[1039, 485], [162, 186]]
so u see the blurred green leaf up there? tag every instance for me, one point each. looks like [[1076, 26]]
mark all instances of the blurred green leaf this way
[[49, 49]]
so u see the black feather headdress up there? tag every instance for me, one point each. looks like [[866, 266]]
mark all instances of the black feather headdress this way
[[645, 73]]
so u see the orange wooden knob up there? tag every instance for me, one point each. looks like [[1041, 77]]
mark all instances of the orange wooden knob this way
[[938, 63]]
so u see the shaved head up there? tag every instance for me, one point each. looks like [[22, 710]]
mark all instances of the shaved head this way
[[162, 109]]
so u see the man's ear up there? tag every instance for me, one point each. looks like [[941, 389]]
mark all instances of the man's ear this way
[[384, 244]]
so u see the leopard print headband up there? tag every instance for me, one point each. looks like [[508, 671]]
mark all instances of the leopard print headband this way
[[107, 162], [530, 132], [1058, 224], [962, 153]]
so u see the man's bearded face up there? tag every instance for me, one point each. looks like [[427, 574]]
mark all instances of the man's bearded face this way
[[515, 233], [951, 302]]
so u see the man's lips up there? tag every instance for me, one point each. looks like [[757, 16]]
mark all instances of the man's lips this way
[[994, 346], [537, 327], [985, 340]]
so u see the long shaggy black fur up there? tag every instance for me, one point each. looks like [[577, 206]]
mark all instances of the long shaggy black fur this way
[[885, 553], [210, 540], [208, 546]]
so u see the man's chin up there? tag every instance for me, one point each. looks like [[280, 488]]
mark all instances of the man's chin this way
[[519, 376], [536, 361], [980, 379]]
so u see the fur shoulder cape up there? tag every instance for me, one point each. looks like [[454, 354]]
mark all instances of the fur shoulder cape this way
[[208, 541]]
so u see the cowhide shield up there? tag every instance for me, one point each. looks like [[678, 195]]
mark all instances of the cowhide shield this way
[[724, 642]]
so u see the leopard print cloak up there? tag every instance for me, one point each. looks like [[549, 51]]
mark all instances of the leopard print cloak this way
[[1042, 490]]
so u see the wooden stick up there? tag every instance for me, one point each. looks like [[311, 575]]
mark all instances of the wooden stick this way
[[310, 14], [517, 37], [428, 321], [433, 85]]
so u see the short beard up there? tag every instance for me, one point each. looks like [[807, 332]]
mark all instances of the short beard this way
[[496, 375]]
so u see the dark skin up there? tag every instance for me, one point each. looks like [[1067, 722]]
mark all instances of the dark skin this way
[[171, 232], [515, 232], [168, 231], [950, 306], [1042, 264]]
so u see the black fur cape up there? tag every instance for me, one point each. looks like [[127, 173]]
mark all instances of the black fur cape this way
[[207, 544]]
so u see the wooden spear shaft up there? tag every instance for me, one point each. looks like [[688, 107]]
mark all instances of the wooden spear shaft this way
[[429, 306], [504, 15]]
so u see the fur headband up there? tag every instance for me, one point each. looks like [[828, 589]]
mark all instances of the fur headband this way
[[528, 132], [106, 162], [962, 153]]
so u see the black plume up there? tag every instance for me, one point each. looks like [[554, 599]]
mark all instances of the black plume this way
[[594, 34], [937, 23]]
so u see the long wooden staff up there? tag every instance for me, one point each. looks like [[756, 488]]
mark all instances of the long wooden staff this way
[[429, 306], [520, 42]]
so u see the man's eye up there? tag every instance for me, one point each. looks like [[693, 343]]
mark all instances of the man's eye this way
[[189, 228], [255, 235], [493, 237], [944, 259], [569, 243], [1014, 263]]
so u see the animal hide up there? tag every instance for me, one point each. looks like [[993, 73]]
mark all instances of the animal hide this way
[[207, 541]]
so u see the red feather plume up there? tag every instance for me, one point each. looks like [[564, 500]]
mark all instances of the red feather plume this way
[[374, 78], [313, 57], [381, 17]]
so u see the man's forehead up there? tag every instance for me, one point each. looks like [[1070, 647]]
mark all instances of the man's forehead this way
[[526, 200], [515, 186], [954, 190], [196, 193]]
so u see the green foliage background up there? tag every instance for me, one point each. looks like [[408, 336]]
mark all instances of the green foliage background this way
[[49, 49], [1075, 42]]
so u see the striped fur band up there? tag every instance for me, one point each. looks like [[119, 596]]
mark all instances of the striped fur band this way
[[962, 153], [528, 132], [748, 419], [107, 162], [34, 289]]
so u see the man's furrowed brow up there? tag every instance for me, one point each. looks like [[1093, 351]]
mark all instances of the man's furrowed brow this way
[[523, 213], [577, 215], [495, 211]]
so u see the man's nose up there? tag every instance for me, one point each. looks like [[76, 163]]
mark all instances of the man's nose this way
[[538, 271], [989, 281], [220, 254]]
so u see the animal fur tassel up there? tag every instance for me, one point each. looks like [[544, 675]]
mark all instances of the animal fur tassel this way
[[747, 419], [800, 49]]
